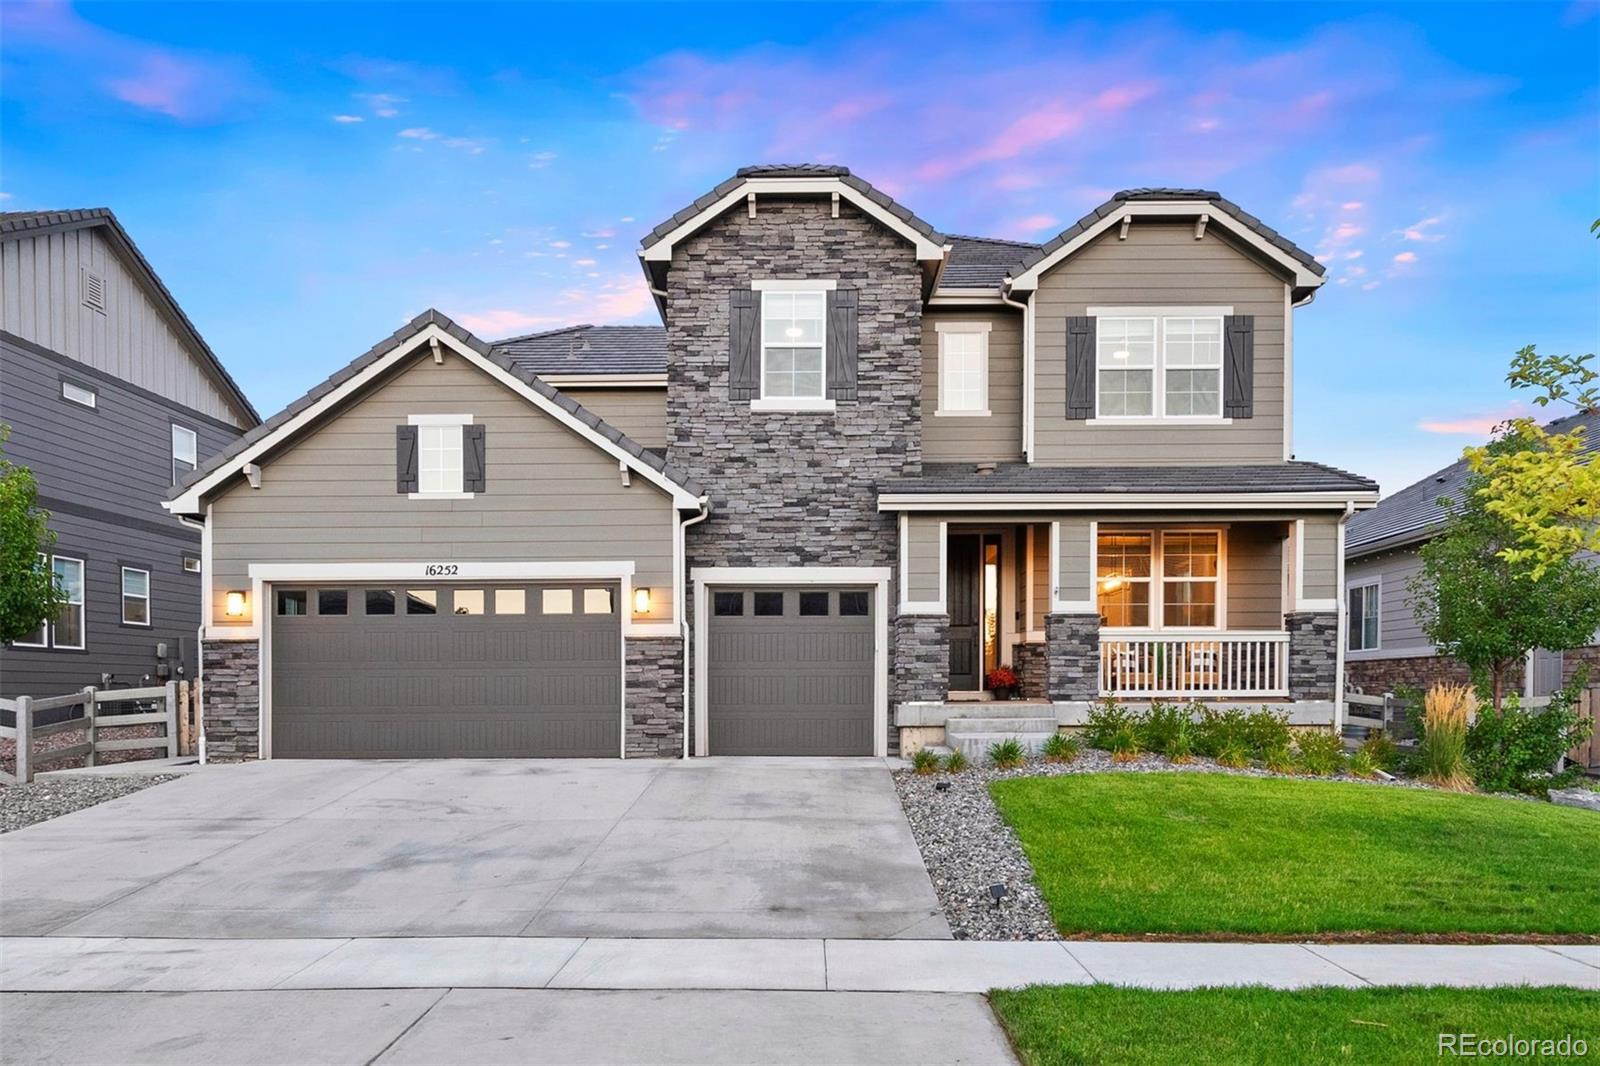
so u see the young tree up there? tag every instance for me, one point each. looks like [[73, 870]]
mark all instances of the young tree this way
[[1488, 607], [28, 591]]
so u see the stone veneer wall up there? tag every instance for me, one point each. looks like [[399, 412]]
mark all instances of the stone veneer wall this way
[[230, 694], [1072, 656], [921, 658], [1028, 660], [653, 673], [1313, 654]]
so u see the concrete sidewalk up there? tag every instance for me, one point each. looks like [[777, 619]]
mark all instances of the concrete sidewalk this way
[[97, 964]]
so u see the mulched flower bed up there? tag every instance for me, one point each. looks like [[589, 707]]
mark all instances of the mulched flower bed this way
[[38, 801], [968, 847]]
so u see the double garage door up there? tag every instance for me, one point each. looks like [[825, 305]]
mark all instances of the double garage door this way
[[498, 670], [790, 671]]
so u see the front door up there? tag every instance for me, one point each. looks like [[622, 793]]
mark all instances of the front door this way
[[965, 603]]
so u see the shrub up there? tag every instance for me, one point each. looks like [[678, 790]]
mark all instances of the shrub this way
[[924, 762], [1382, 751], [1516, 749], [1217, 730], [1106, 720], [1361, 764], [1442, 754], [1125, 743], [955, 762], [1160, 725], [1279, 760], [1234, 754], [1006, 754], [1321, 753], [1059, 748], [1181, 748], [1265, 730]]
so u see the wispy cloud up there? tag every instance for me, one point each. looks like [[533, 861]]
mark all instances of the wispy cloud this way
[[1475, 425], [383, 105], [500, 322], [346, 119], [1406, 257], [1423, 231]]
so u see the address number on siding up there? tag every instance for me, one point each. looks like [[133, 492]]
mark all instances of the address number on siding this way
[[440, 570]]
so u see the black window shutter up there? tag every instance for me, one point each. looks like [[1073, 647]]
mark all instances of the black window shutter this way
[[843, 338], [1080, 367], [1238, 366], [472, 459], [744, 344], [405, 458]]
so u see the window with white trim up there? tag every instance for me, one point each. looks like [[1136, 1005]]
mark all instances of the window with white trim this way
[[1168, 579], [185, 452], [963, 368], [1158, 366], [135, 596], [79, 394], [1191, 567], [1363, 628], [39, 638], [793, 343], [67, 630], [1125, 563], [440, 465]]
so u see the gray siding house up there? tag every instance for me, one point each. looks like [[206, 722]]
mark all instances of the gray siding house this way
[[1385, 647], [860, 465], [112, 397]]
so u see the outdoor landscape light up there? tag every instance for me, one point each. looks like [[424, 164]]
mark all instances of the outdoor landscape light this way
[[236, 604], [997, 893], [641, 601]]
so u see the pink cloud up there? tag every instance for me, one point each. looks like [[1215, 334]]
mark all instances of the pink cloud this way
[[618, 298], [1478, 425], [1406, 257], [1423, 231], [501, 322], [1031, 225]]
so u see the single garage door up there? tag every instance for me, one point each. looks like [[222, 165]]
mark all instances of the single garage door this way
[[790, 671], [481, 671]]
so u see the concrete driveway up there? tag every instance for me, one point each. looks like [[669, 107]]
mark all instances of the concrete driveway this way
[[705, 848]]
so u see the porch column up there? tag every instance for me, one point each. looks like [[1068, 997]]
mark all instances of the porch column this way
[[921, 623], [1072, 628], [1313, 616]]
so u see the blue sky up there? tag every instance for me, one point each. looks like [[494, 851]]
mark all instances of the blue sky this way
[[306, 177]]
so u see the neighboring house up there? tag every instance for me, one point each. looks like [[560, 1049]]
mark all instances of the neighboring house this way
[[1386, 649], [112, 397], [860, 464]]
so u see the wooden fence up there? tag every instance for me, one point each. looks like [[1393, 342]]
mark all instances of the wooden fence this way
[[177, 716], [1389, 715]]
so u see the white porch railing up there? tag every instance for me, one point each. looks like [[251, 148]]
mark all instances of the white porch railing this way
[[1214, 665]]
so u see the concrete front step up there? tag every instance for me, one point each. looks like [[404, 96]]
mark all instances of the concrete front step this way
[[975, 746], [1000, 709], [965, 726]]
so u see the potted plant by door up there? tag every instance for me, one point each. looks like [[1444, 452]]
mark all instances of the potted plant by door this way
[[1002, 682]]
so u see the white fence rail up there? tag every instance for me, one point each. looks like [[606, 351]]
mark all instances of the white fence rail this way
[[174, 714], [1220, 665]]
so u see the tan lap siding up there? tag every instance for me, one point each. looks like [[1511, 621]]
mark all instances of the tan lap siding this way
[[1255, 575], [1321, 556], [996, 437], [1159, 265], [640, 413], [923, 542], [1076, 582], [551, 495]]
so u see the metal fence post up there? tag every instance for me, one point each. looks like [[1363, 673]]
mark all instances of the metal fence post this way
[[24, 765], [172, 719], [89, 707]]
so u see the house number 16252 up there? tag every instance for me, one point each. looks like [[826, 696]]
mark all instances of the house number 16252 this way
[[440, 570]]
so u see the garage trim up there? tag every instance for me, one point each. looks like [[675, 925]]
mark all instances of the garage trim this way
[[264, 575], [705, 577]]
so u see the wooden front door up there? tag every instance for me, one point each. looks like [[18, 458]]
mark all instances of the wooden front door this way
[[966, 614]]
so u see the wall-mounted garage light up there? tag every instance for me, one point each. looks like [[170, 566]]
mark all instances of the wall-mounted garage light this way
[[238, 604], [641, 601]]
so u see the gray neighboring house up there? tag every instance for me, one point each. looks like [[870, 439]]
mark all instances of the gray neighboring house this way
[[112, 397], [1385, 647], [858, 466]]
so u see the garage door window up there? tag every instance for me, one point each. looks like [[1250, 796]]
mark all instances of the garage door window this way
[[853, 604], [555, 601], [769, 604], [333, 601], [380, 601], [469, 601], [292, 602], [727, 604], [510, 601], [597, 601], [813, 604], [422, 601]]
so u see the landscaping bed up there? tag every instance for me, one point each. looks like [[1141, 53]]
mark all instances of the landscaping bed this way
[[1146, 848], [38, 801], [1054, 1026]]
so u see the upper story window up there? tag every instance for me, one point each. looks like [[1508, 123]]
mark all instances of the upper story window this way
[[185, 452], [963, 368], [793, 338], [1363, 620], [1159, 363], [79, 394], [135, 596], [441, 457], [439, 462]]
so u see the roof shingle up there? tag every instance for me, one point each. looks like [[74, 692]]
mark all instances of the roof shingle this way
[[586, 349], [1023, 477]]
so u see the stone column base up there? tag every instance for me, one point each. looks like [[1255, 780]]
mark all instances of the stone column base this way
[[230, 699], [1028, 660], [1072, 656], [653, 673], [1313, 654], [921, 657]]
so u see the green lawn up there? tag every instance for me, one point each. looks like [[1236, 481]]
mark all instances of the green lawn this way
[[1053, 1026], [1210, 853]]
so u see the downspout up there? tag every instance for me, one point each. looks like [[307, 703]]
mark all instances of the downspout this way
[[197, 691], [1340, 630], [683, 614], [1027, 370]]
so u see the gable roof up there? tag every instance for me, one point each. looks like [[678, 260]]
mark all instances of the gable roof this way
[[1413, 514], [585, 349], [303, 413], [1157, 201], [15, 225]]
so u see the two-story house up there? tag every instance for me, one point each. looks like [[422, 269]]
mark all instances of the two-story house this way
[[860, 465], [111, 397]]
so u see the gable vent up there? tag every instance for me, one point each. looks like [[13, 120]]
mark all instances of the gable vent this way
[[94, 290]]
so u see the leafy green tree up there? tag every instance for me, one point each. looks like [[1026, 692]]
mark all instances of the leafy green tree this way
[[28, 591], [1488, 607]]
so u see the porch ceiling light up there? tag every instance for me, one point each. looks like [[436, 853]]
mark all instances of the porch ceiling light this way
[[641, 601], [1110, 584], [238, 603]]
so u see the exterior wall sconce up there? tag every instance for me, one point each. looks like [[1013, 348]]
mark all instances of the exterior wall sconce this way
[[641, 601], [238, 604]]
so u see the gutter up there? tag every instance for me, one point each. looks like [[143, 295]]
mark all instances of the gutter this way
[[683, 613]]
